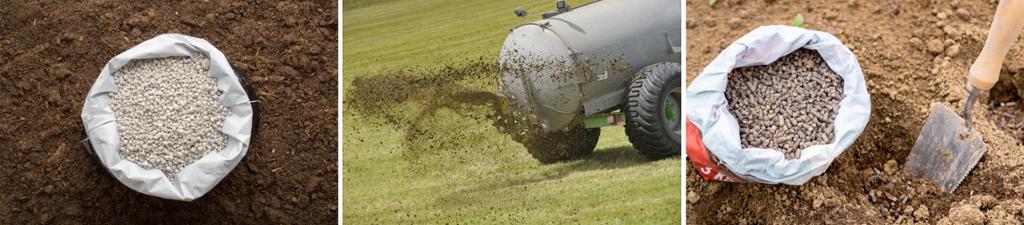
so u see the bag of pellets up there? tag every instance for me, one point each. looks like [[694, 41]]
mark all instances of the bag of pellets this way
[[776, 106], [169, 117]]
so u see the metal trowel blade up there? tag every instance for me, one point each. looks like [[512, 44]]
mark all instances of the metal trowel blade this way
[[946, 150]]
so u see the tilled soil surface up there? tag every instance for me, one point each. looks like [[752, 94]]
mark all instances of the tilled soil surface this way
[[52, 52], [913, 53]]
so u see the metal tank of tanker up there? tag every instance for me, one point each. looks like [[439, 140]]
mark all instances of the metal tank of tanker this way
[[602, 63]]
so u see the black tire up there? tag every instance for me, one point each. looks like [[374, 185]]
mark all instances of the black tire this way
[[650, 100], [564, 145]]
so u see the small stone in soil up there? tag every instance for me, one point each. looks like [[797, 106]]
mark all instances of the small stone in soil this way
[[890, 167]]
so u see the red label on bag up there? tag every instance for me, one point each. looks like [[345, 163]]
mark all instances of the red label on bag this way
[[701, 159]]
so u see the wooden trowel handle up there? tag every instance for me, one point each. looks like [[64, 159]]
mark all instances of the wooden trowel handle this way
[[1006, 26]]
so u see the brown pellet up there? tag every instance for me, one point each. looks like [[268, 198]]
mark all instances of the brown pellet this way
[[787, 105]]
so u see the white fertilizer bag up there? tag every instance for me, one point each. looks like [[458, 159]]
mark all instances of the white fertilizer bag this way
[[707, 107], [223, 88]]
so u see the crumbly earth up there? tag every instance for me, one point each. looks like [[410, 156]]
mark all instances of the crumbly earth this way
[[1006, 103], [1010, 117], [167, 112], [913, 53], [54, 50], [787, 105]]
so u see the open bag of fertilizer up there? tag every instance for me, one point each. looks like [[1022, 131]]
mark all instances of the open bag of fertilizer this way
[[715, 143], [178, 123]]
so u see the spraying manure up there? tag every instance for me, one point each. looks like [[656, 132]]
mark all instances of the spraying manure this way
[[550, 101], [581, 68], [412, 99]]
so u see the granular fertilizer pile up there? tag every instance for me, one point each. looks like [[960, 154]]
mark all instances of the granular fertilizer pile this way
[[289, 175], [787, 105], [167, 112]]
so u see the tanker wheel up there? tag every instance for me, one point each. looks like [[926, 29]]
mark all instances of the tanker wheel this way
[[652, 108], [564, 145]]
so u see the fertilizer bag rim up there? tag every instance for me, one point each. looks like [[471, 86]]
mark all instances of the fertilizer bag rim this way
[[708, 109], [201, 175]]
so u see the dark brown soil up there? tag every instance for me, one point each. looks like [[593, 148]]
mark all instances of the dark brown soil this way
[[52, 52], [913, 53]]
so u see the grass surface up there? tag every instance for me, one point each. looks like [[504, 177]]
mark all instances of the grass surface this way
[[472, 174]]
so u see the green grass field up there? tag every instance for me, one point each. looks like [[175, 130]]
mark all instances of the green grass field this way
[[471, 174]]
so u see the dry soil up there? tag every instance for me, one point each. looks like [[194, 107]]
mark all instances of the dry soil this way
[[913, 53]]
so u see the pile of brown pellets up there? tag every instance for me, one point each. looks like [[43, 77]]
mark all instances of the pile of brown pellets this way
[[787, 105]]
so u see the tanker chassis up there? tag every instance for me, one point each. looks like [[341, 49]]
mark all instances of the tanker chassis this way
[[608, 62]]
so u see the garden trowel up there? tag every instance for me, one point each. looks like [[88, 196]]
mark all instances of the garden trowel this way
[[948, 147]]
